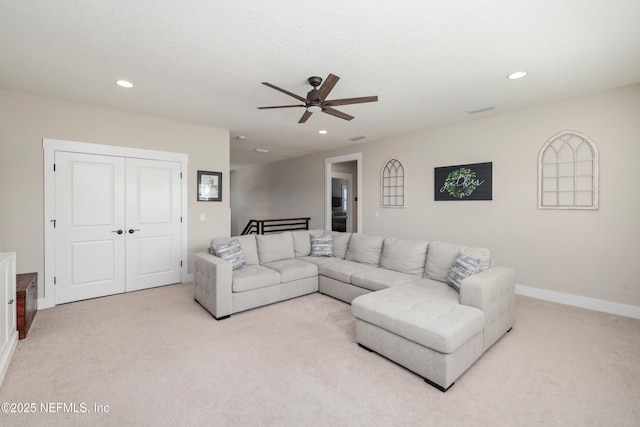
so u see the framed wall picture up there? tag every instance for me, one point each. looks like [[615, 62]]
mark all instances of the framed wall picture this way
[[464, 182], [209, 186]]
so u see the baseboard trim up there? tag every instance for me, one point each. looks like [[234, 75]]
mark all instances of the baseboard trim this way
[[44, 303], [578, 301]]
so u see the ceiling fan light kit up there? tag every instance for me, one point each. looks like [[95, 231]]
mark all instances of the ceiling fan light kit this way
[[316, 100]]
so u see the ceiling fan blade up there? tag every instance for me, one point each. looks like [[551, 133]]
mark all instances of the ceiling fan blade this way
[[281, 106], [299, 98], [327, 86], [305, 116], [346, 101], [336, 113]]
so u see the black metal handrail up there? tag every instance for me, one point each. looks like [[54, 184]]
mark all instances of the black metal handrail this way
[[262, 226]]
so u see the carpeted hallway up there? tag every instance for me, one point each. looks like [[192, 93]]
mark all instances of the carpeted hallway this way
[[157, 358]]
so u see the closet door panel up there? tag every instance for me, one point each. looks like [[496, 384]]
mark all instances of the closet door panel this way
[[89, 213], [153, 215]]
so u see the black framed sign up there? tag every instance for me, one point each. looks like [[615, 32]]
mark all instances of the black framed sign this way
[[463, 182], [209, 186]]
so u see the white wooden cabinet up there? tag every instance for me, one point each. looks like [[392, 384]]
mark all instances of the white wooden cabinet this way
[[8, 330]]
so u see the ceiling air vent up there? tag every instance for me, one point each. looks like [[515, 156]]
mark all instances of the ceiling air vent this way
[[357, 137], [480, 109]]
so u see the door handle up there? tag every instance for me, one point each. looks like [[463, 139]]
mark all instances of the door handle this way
[[118, 231], [131, 230]]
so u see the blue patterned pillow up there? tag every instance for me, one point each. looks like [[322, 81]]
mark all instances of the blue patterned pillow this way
[[463, 267], [232, 252], [321, 245]]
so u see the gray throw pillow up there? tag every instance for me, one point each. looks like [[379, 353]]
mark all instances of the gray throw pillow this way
[[463, 267], [232, 252], [321, 245]]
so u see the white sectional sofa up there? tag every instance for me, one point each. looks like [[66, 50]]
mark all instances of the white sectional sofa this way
[[431, 307]]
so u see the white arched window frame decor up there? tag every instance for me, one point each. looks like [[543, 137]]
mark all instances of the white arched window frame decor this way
[[392, 184], [568, 172]]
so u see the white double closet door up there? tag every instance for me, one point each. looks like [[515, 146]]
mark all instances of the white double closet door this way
[[117, 225]]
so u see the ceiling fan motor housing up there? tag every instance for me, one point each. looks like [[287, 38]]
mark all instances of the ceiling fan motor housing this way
[[315, 81]]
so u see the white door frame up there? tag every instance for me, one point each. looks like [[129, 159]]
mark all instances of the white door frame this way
[[50, 146], [328, 173]]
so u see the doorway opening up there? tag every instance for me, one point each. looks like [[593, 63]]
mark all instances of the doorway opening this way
[[343, 199], [341, 202]]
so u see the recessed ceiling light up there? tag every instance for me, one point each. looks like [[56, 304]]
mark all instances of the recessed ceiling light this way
[[124, 83], [322, 132], [262, 150], [517, 75], [241, 137]]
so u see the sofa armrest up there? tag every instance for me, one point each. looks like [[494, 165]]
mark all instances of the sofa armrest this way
[[493, 292], [212, 280]]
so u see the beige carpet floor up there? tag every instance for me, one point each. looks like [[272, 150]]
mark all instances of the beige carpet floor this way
[[157, 358]]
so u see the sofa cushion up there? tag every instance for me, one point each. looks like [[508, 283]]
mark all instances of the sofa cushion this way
[[340, 243], [293, 269], [254, 277], [301, 241], [321, 245], [274, 247], [318, 260], [405, 256], [463, 267], [232, 252], [247, 243], [380, 278], [426, 312], [342, 270], [365, 249], [441, 256]]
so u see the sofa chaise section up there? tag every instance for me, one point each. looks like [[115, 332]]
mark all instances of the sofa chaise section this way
[[432, 330]]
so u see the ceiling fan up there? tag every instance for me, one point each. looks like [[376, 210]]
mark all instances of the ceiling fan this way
[[316, 100]]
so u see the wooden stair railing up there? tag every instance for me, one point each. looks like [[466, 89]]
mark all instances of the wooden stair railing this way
[[263, 226]]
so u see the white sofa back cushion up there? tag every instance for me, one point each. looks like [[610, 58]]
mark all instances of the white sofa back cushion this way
[[275, 247], [405, 256], [302, 241], [365, 249], [340, 243], [247, 243], [441, 256]]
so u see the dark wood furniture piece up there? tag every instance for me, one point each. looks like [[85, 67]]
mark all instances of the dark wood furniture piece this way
[[27, 298]]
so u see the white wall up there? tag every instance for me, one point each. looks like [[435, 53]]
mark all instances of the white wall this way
[[25, 120], [586, 253]]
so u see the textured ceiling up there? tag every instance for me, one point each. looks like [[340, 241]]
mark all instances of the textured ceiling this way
[[202, 61]]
